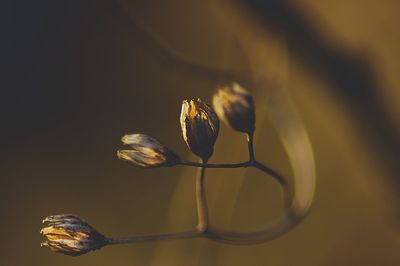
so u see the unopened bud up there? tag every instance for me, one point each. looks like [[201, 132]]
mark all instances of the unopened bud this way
[[70, 235], [146, 152], [235, 106], [200, 126]]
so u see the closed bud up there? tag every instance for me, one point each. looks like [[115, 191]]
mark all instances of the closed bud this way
[[146, 152], [70, 235], [200, 126], [235, 106]]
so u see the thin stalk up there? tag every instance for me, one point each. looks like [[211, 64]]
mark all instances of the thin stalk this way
[[278, 177], [167, 236], [211, 165], [250, 143], [287, 194], [201, 201], [255, 237]]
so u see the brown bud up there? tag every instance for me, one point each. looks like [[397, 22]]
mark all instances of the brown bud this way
[[70, 235], [235, 106], [200, 126], [146, 152]]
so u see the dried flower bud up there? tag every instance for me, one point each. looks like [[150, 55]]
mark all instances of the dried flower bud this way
[[200, 126], [146, 152], [70, 235], [235, 106]]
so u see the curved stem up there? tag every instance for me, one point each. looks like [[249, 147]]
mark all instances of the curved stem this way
[[167, 236], [260, 236], [201, 201], [282, 181], [251, 238], [282, 226], [287, 194]]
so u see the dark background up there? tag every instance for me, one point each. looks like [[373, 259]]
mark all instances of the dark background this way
[[77, 75]]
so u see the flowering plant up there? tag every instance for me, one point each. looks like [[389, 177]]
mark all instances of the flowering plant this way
[[70, 235]]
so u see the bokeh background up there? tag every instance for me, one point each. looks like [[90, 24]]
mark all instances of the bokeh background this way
[[77, 75]]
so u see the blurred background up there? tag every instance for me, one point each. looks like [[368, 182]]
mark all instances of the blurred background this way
[[77, 75]]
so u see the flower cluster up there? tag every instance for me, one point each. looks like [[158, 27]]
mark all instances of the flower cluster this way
[[70, 235]]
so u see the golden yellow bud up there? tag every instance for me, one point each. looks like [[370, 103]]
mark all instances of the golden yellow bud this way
[[235, 106], [70, 235], [200, 126], [146, 152]]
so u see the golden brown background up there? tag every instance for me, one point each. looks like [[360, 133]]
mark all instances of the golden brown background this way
[[79, 74]]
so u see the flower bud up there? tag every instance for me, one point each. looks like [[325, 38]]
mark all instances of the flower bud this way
[[235, 106], [200, 126], [70, 235], [146, 152]]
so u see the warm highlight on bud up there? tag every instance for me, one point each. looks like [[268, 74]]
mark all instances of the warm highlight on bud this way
[[70, 235], [146, 152], [200, 127], [235, 106]]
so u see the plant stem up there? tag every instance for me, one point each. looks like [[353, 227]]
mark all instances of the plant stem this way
[[135, 239], [250, 143], [203, 229], [287, 194], [220, 165], [201, 201], [245, 238], [255, 237], [278, 177]]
